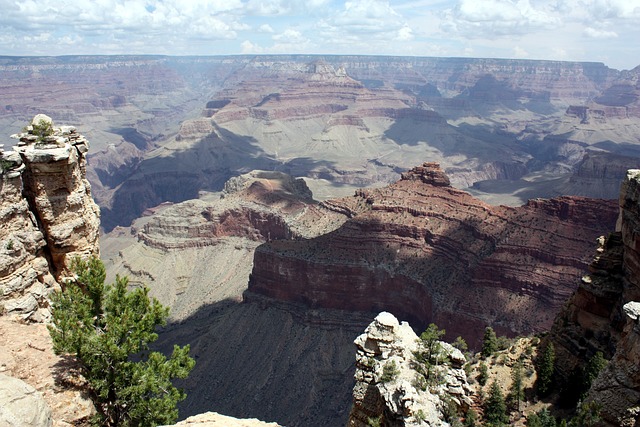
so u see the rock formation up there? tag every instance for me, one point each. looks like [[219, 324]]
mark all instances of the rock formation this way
[[212, 419], [431, 253], [602, 315], [617, 388], [165, 128], [48, 216], [21, 405], [199, 252], [392, 396], [27, 354]]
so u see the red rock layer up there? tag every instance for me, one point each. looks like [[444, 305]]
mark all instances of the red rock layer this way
[[428, 252]]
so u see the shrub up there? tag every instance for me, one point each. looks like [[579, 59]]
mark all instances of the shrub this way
[[390, 371], [108, 329], [489, 342], [483, 373]]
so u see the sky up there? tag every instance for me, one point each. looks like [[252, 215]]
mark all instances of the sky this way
[[570, 30]]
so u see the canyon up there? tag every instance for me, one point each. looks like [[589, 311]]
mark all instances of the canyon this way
[[274, 203], [167, 128]]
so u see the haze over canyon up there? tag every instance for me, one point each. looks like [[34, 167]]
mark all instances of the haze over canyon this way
[[278, 203]]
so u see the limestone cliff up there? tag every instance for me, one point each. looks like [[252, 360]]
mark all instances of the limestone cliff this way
[[394, 398], [47, 215], [602, 315]]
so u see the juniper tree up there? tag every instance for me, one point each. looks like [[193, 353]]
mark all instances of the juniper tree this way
[[108, 329], [489, 342], [495, 409], [545, 369], [428, 353], [516, 390]]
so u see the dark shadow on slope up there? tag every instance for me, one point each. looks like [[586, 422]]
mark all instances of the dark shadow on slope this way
[[180, 174], [293, 362], [268, 360]]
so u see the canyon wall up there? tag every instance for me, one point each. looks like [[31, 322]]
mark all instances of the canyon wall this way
[[430, 253], [166, 128], [602, 315], [48, 217]]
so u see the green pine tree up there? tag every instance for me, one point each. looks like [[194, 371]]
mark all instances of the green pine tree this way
[[483, 374], [495, 408], [471, 419], [429, 352], [489, 342], [593, 368], [103, 326], [544, 383], [516, 390]]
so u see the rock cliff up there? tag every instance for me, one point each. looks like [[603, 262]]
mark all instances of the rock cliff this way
[[47, 216], [386, 389], [431, 253], [602, 315]]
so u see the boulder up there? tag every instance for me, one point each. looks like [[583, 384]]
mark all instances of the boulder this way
[[21, 405]]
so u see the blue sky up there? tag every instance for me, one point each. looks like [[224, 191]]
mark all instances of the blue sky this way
[[575, 30]]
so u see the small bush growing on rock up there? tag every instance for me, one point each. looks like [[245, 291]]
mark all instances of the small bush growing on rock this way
[[374, 421], [503, 343], [9, 245], [471, 418], [42, 129], [390, 371]]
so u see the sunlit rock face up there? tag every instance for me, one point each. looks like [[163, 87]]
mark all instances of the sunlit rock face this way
[[48, 217], [165, 128], [431, 253]]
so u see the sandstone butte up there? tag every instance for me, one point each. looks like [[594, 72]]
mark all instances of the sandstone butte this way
[[428, 252]]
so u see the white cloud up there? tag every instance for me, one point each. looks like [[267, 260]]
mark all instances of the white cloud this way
[[519, 52], [599, 34], [368, 26], [290, 36], [250, 48], [266, 28], [495, 18], [283, 7]]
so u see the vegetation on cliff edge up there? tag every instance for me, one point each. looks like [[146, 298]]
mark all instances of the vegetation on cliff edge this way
[[108, 329]]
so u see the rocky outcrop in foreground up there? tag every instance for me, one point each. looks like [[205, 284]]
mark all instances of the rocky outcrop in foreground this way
[[21, 405], [431, 253], [213, 419], [47, 216], [393, 397]]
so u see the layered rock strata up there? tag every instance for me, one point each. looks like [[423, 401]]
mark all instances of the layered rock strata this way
[[48, 216], [431, 253], [394, 400], [602, 315], [199, 252]]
